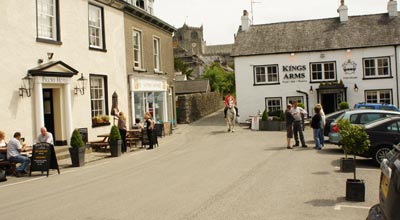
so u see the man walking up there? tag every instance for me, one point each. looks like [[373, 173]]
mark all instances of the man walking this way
[[298, 113]]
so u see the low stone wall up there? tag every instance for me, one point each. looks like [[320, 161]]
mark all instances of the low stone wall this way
[[192, 107]]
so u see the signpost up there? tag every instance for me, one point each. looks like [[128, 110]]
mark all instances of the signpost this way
[[43, 158]]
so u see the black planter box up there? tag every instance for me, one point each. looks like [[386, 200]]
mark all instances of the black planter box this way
[[355, 190], [347, 165], [77, 156], [115, 148]]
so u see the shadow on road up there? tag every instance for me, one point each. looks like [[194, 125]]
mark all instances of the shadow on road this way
[[325, 202]]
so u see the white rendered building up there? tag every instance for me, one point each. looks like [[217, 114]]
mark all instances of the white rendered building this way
[[327, 61]]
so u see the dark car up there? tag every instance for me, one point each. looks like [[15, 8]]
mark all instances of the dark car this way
[[329, 118], [383, 134]]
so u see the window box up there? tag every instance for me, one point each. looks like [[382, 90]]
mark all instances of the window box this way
[[98, 121]]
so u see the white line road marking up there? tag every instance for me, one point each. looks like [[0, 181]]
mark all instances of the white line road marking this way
[[339, 207], [25, 181]]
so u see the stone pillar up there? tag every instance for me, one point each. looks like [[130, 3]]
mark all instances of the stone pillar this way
[[68, 111], [39, 112]]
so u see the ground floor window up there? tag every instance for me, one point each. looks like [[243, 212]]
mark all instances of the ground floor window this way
[[152, 102], [292, 99], [378, 96], [273, 104]]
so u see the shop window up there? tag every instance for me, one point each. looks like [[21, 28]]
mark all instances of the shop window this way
[[378, 96], [96, 28], [137, 49], [323, 71], [273, 104], [47, 20], [376, 67], [98, 100], [266, 74]]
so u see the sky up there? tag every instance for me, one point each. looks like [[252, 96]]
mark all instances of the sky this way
[[221, 18]]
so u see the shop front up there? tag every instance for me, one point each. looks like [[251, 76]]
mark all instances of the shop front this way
[[149, 94]]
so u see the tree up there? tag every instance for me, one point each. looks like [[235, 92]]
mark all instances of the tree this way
[[220, 80], [183, 67]]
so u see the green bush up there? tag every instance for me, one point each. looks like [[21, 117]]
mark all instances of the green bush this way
[[343, 105], [301, 105], [283, 116], [114, 133], [264, 116], [76, 139]]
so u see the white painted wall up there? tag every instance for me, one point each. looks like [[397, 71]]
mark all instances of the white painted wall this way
[[20, 52], [251, 98]]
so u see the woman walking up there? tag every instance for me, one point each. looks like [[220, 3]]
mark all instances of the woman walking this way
[[316, 125], [149, 123], [289, 125]]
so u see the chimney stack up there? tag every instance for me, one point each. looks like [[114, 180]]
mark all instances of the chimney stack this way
[[245, 21], [343, 12], [392, 8]]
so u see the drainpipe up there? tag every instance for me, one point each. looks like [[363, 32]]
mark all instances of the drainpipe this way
[[397, 74], [308, 109]]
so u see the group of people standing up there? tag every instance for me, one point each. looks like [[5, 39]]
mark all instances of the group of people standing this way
[[295, 125]]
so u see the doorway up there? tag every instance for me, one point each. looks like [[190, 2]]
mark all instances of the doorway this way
[[48, 110]]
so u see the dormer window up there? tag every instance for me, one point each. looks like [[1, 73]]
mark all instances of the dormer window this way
[[140, 3]]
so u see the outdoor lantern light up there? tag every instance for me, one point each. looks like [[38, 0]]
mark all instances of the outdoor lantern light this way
[[311, 90], [27, 86], [81, 85], [50, 55], [355, 87]]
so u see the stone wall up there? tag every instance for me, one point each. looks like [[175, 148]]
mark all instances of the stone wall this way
[[192, 107]]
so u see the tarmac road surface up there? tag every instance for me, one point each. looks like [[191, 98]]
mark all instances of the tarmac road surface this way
[[200, 172]]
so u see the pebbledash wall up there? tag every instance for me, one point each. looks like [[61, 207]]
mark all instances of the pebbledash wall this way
[[323, 61]]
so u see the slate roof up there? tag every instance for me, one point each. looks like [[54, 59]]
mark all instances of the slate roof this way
[[219, 49], [318, 35], [192, 86]]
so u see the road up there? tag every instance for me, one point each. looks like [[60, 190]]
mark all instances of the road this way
[[200, 172]]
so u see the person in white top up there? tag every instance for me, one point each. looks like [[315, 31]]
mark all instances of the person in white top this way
[[14, 148], [298, 114], [3, 146], [45, 136]]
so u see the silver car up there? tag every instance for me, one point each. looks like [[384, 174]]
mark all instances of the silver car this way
[[357, 116]]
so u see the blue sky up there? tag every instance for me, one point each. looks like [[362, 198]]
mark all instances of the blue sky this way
[[221, 18]]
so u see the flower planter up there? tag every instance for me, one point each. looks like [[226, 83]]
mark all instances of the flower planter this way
[[355, 190], [77, 155], [115, 148], [271, 125], [347, 165]]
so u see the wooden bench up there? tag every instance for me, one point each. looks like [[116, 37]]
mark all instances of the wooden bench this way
[[133, 137], [100, 144], [9, 167]]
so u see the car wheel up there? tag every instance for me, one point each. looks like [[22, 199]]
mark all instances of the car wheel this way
[[381, 153]]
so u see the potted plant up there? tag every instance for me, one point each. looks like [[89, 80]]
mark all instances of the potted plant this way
[[105, 118], [355, 141], [343, 105], [77, 149], [115, 141], [263, 123]]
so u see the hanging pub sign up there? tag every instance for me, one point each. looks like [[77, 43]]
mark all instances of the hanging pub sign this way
[[43, 158], [294, 73]]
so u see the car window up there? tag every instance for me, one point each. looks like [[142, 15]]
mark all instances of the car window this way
[[390, 108], [365, 118], [366, 107], [353, 118], [394, 127]]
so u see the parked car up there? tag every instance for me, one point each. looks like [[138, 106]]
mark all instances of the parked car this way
[[380, 106], [383, 134], [329, 118], [359, 117]]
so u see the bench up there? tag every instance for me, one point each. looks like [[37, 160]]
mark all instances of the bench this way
[[9, 167], [100, 144]]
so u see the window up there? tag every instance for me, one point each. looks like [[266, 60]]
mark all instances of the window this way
[[156, 49], [273, 104], [140, 3], [96, 27], [137, 49], [194, 35], [47, 19], [378, 96], [323, 71], [376, 67], [266, 74], [394, 127], [98, 95], [291, 100]]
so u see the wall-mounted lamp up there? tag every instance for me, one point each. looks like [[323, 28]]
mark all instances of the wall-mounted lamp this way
[[292, 54], [50, 55], [81, 85], [355, 87], [27, 86], [311, 90]]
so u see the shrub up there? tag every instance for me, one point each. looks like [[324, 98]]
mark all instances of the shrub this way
[[283, 116], [76, 139], [301, 105], [114, 133], [343, 105], [264, 116]]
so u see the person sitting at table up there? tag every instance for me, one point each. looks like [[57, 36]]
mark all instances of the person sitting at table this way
[[45, 136], [14, 149], [138, 124], [3, 145]]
